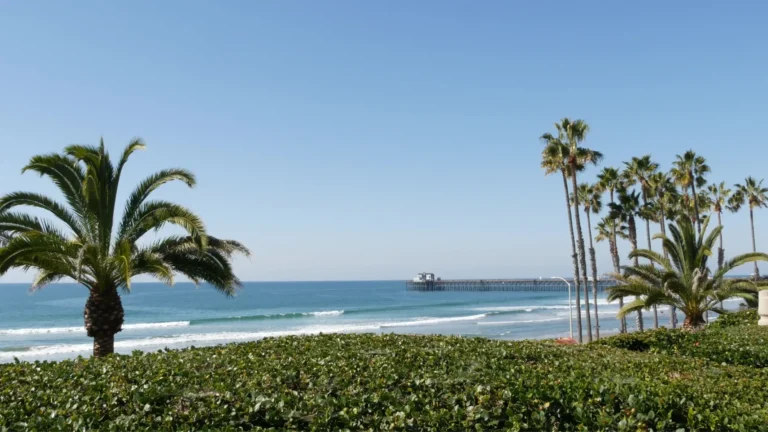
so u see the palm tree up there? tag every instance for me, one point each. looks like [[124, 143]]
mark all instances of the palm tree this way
[[753, 193], [625, 210], [665, 198], [554, 158], [90, 252], [573, 133], [590, 198], [719, 195], [605, 229], [688, 171], [639, 170], [610, 180], [684, 280]]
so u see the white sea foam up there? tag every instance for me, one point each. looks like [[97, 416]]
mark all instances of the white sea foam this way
[[432, 321], [59, 330], [221, 337], [326, 313], [518, 308], [530, 321]]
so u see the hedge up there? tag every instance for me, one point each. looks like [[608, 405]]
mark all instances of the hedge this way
[[747, 317], [737, 340], [384, 383]]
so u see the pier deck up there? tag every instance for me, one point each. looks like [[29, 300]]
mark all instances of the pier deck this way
[[501, 285]]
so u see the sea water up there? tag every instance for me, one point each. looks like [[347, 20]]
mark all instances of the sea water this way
[[48, 324]]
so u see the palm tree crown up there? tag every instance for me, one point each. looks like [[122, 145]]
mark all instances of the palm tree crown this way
[[683, 280], [590, 198], [90, 245], [689, 170], [752, 193]]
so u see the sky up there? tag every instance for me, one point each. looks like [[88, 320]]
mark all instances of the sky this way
[[357, 140]]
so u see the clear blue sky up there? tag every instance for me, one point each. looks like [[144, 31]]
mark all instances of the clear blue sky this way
[[369, 140]]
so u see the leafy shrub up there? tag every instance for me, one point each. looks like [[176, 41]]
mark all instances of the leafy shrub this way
[[747, 317], [729, 344], [380, 383]]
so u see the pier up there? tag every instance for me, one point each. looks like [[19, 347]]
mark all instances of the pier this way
[[456, 285]]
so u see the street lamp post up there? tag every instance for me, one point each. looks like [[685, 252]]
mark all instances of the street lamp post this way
[[570, 304]]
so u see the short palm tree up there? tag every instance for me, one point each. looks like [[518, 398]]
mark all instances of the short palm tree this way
[[625, 210], [554, 159], [683, 280], [689, 170], [753, 193], [719, 195], [84, 245], [591, 200]]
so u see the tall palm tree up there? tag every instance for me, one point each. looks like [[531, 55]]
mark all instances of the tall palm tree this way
[[554, 159], [684, 280], [689, 170], [719, 195], [610, 180], [573, 133], [591, 200], [665, 198], [625, 210], [639, 170], [85, 247], [753, 193]]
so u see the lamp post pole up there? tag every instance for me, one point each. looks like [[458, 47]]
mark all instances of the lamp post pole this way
[[570, 304]]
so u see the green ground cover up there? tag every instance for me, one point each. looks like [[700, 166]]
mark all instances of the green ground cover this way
[[390, 382]]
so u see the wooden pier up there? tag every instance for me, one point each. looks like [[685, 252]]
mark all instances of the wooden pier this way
[[501, 285]]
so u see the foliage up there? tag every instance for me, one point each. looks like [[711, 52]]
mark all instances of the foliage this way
[[735, 341], [88, 242], [98, 249], [746, 317], [377, 383], [682, 279]]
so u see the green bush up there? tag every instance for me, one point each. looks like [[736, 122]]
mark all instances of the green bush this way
[[747, 317], [730, 344], [381, 383]]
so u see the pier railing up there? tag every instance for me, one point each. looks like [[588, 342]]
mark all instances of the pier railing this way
[[501, 285]]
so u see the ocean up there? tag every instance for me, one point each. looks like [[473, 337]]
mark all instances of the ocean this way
[[48, 324]]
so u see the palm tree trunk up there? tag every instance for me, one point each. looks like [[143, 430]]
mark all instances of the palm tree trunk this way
[[103, 318], [582, 255], [633, 240], [672, 309], [695, 203], [594, 275], [576, 281], [720, 250], [617, 270], [650, 247], [754, 245], [693, 323]]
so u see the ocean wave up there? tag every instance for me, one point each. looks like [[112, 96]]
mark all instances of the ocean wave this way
[[432, 321], [519, 308], [530, 321], [59, 330], [222, 337], [265, 317], [326, 313]]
